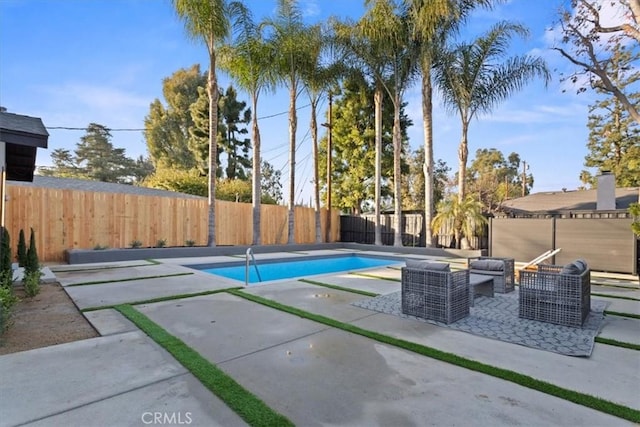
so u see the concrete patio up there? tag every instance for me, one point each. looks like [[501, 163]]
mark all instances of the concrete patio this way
[[309, 372]]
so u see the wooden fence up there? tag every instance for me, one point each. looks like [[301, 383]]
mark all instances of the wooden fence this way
[[72, 219]]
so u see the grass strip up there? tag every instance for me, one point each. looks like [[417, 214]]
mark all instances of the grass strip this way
[[128, 279], [73, 270], [374, 276], [339, 288], [617, 343], [153, 261], [614, 296], [160, 299], [249, 407], [583, 399], [610, 285], [617, 313]]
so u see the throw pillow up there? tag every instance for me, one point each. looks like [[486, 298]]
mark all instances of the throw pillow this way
[[581, 264], [571, 268]]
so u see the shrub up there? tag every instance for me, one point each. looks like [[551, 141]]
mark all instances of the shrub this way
[[7, 301], [190, 243], [99, 247], [161, 243], [32, 272], [136, 244], [22, 250], [6, 271]]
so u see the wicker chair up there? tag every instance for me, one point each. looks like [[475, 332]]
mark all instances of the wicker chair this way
[[556, 294], [500, 269], [442, 296]]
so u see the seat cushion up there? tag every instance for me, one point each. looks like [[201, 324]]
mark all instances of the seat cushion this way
[[427, 265], [487, 264]]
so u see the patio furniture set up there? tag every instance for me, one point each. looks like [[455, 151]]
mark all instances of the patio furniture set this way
[[551, 293]]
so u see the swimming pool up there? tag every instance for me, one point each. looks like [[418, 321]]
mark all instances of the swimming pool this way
[[289, 268]]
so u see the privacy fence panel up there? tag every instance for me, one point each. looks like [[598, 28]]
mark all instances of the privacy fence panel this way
[[606, 243], [72, 219]]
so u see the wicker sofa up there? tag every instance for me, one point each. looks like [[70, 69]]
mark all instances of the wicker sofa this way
[[500, 269], [556, 294], [432, 291]]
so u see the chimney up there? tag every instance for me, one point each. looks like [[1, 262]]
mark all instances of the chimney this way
[[606, 191]]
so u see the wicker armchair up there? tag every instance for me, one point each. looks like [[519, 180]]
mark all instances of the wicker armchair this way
[[500, 269], [442, 296], [556, 294]]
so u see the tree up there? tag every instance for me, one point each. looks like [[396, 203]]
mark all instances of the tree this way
[[431, 21], [208, 21], [179, 180], [234, 190], [249, 61], [64, 165], [465, 217], [287, 37], [353, 139], [472, 80], [167, 129], [22, 249], [413, 195], [492, 179], [591, 44], [614, 136], [270, 184]]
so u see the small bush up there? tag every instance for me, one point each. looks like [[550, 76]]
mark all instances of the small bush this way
[[7, 301], [6, 271], [190, 243], [22, 250], [136, 244], [161, 243], [99, 247], [32, 272]]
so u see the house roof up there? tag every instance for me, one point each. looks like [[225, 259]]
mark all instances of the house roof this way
[[98, 186], [22, 136], [568, 200]]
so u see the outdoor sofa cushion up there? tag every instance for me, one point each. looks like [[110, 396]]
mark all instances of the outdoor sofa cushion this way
[[576, 268], [487, 264], [427, 265]]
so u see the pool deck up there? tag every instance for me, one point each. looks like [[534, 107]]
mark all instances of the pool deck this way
[[309, 372]]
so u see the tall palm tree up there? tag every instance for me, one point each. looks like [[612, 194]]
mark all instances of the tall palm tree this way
[[288, 34], [431, 21], [472, 80], [249, 62], [318, 77], [208, 21]]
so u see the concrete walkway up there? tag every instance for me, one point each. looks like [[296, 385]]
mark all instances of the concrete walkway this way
[[309, 372]]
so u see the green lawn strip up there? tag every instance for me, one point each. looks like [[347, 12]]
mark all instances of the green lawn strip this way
[[129, 279], [160, 299], [373, 276], [339, 288], [610, 285], [583, 399], [617, 313], [107, 267], [237, 256], [297, 252], [617, 343], [593, 294], [153, 261], [249, 407]]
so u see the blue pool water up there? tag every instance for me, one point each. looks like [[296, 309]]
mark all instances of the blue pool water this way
[[286, 269]]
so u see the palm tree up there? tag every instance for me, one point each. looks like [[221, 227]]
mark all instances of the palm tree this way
[[318, 78], [249, 62], [465, 216], [472, 80], [431, 21], [208, 21], [288, 34]]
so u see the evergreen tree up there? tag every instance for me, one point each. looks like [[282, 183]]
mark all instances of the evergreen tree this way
[[413, 195], [99, 160], [22, 249], [32, 271], [6, 271], [614, 135]]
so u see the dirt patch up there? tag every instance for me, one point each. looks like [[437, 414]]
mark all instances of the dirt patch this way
[[47, 319]]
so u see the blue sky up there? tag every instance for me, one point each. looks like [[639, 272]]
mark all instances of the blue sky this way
[[73, 62]]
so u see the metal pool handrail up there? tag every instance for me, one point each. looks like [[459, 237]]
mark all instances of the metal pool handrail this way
[[246, 271]]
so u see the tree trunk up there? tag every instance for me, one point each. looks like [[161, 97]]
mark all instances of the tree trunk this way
[[257, 176], [397, 176], [377, 102], [427, 123], [293, 125], [463, 154], [316, 187], [213, 145]]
